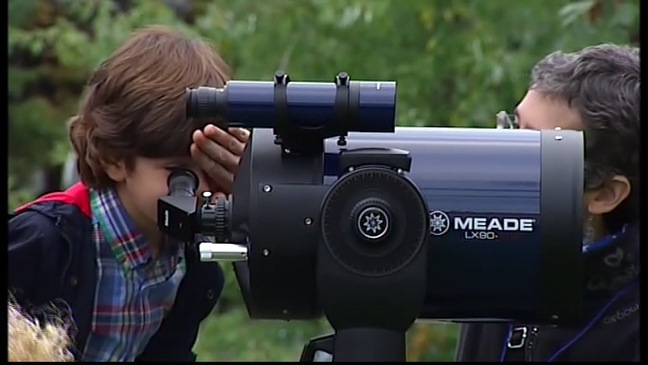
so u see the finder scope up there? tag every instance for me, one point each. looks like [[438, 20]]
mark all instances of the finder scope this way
[[301, 114]]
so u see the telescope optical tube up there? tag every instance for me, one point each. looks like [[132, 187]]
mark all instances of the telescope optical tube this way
[[505, 216]]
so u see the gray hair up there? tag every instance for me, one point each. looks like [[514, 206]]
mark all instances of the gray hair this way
[[603, 83]]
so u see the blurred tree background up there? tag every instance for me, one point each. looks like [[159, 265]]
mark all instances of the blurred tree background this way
[[457, 63]]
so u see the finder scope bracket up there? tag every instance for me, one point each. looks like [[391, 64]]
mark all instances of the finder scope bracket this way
[[295, 139]]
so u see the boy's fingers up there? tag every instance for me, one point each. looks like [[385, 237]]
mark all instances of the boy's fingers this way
[[197, 135], [243, 135], [214, 171], [217, 195], [217, 152]]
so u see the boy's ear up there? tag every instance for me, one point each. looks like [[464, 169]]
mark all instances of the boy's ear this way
[[116, 170], [607, 198]]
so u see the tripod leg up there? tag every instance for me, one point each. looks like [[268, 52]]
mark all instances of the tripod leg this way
[[369, 344]]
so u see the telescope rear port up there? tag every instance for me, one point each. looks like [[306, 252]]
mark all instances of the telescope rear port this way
[[374, 221]]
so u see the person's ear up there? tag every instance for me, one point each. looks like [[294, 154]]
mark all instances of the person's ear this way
[[116, 170], [608, 198]]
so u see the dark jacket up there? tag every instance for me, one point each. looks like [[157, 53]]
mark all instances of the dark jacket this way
[[52, 257], [610, 332]]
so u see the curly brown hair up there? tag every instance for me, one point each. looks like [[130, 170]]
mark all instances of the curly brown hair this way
[[134, 103]]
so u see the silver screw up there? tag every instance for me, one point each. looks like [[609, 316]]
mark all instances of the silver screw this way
[[308, 221], [286, 150], [400, 171], [285, 311], [557, 129], [267, 188], [350, 169], [558, 138], [265, 252], [206, 198]]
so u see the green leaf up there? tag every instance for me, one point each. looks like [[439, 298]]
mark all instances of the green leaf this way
[[569, 13]]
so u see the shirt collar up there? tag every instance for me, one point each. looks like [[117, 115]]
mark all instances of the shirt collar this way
[[612, 263], [128, 244]]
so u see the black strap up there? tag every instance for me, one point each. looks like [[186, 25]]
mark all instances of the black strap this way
[[341, 106], [282, 121]]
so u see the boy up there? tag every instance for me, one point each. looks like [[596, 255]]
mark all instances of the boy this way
[[133, 294]]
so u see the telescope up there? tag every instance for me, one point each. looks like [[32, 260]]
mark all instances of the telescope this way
[[336, 212]]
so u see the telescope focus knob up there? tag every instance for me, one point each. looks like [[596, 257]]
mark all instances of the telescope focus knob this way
[[221, 221], [371, 219], [374, 221]]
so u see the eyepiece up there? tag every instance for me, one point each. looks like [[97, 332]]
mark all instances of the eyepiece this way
[[182, 182], [206, 102]]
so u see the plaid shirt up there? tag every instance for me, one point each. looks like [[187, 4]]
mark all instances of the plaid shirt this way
[[134, 291]]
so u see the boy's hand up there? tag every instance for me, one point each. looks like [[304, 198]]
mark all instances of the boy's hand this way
[[218, 153]]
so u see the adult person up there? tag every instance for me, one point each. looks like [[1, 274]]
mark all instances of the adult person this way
[[595, 90]]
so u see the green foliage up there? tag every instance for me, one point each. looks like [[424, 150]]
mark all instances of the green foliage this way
[[456, 62], [233, 337]]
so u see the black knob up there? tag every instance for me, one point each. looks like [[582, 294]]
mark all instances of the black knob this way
[[281, 78], [371, 219], [221, 220], [342, 79]]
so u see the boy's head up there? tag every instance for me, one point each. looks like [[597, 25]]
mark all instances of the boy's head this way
[[132, 129], [28, 341]]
